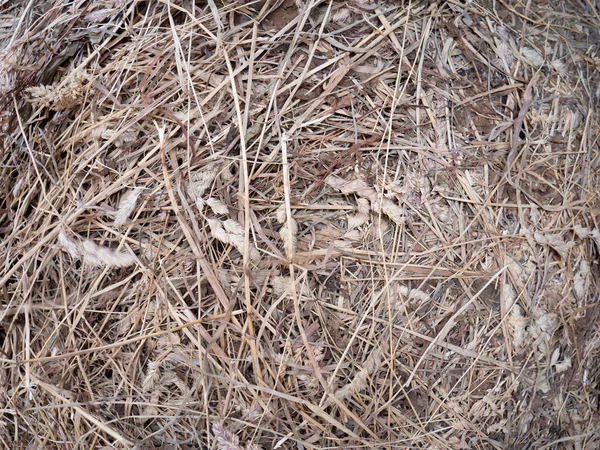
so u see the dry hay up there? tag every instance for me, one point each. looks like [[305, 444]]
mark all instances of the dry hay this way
[[299, 224]]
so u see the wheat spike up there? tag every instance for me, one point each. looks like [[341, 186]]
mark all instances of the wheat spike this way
[[360, 380], [70, 246], [378, 202], [226, 440], [99, 15], [217, 206], [94, 255], [7, 74], [152, 376], [415, 294], [517, 322], [61, 95], [341, 15], [584, 233], [288, 232], [555, 241], [580, 280], [200, 182], [231, 232], [126, 206]]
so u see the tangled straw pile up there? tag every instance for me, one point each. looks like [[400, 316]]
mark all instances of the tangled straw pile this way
[[299, 224]]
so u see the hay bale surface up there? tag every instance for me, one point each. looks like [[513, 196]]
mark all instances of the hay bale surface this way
[[299, 224]]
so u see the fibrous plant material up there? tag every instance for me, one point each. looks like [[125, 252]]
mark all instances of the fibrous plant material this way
[[299, 224]]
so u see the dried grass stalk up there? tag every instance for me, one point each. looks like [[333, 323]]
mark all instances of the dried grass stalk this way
[[451, 133]]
